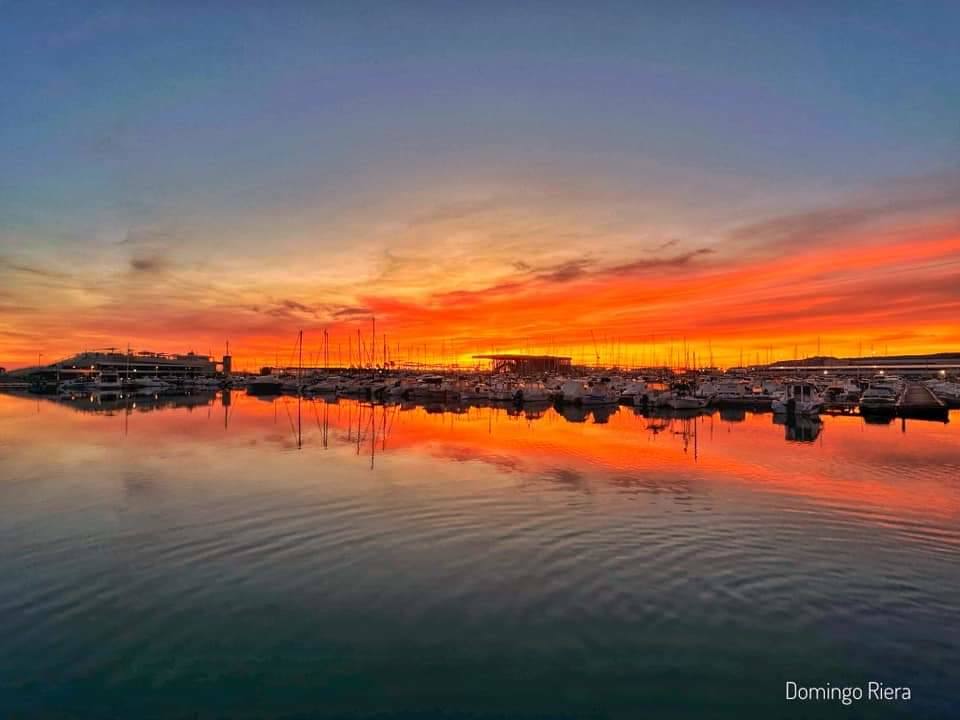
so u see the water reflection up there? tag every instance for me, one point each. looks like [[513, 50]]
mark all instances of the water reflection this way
[[733, 445], [343, 540], [799, 428]]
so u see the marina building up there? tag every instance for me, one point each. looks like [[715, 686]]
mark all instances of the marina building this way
[[130, 364]]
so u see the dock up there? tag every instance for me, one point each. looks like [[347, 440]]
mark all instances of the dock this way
[[918, 401]]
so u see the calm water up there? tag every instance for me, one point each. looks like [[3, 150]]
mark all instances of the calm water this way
[[235, 557]]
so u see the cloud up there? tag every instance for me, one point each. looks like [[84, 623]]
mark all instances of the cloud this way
[[800, 229], [350, 311], [457, 211], [147, 236], [565, 272], [904, 200], [664, 262], [27, 269], [152, 264]]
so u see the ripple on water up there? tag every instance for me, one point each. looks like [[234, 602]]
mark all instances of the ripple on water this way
[[551, 554]]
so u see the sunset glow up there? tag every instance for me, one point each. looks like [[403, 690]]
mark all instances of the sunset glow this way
[[602, 217]]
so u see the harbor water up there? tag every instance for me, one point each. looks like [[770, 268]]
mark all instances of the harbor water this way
[[225, 556]]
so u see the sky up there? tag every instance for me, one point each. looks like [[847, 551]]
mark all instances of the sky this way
[[643, 182]]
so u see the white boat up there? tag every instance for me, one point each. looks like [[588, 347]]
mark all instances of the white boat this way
[[398, 389], [352, 387], [327, 386], [949, 392], [434, 388], [706, 390], [634, 392], [733, 393], [600, 393], [503, 391], [681, 397], [533, 392], [802, 397], [842, 392], [572, 391], [148, 383], [291, 384], [106, 382], [76, 385], [265, 385], [474, 392], [879, 397]]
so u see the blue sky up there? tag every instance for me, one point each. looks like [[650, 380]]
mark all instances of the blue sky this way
[[143, 103]]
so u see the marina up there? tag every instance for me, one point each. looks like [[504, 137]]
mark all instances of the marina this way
[[920, 392], [479, 361]]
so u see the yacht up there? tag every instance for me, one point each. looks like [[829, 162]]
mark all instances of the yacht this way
[[76, 385], [733, 392], [842, 392], [148, 383], [572, 391], [681, 397], [802, 397], [106, 382], [265, 385], [503, 391], [881, 396], [706, 390], [474, 392], [327, 386], [634, 393], [600, 393], [532, 392], [432, 388], [949, 392]]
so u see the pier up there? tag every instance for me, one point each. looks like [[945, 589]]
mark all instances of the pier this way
[[918, 401]]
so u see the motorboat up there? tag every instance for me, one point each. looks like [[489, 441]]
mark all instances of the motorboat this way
[[572, 391], [801, 398], [532, 392], [600, 393], [879, 397], [76, 385], [504, 391], [474, 392], [148, 383], [681, 397], [265, 385], [948, 392], [840, 391], [328, 386], [433, 388], [106, 382], [734, 393]]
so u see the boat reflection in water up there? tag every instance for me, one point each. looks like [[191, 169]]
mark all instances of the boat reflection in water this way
[[223, 555], [493, 424], [799, 428]]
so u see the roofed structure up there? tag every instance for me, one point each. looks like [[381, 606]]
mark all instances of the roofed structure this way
[[527, 364]]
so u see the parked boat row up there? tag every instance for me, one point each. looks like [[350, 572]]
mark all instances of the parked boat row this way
[[878, 395]]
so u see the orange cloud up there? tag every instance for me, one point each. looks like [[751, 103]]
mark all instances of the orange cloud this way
[[764, 292]]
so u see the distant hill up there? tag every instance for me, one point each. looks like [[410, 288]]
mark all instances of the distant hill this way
[[948, 358]]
